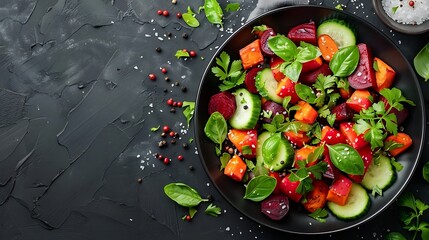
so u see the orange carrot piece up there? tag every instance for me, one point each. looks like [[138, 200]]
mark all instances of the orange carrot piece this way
[[384, 74], [401, 138], [235, 168], [340, 190], [251, 55], [316, 198], [306, 113], [327, 46], [302, 154]]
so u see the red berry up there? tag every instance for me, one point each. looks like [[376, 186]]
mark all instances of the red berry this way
[[180, 157], [152, 76], [166, 161], [165, 13], [165, 129], [170, 102], [179, 15], [160, 157], [179, 104], [172, 134], [159, 12], [164, 70], [188, 218], [411, 3], [174, 104], [192, 53]]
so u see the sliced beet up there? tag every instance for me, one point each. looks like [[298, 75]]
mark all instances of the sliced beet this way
[[309, 78], [364, 76], [264, 42], [342, 112], [331, 172], [224, 103], [249, 81], [304, 32], [274, 108], [275, 206]]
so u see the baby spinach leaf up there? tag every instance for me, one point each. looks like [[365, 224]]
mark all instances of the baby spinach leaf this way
[[345, 61], [189, 18], [183, 194], [346, 158], [216, 128], [283, 47], [260, 188], [214, 12], [421, 62]]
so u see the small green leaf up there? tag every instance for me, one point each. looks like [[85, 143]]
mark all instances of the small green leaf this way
[[346, 159], [188, 110], [232, 7], [426, 172], [394, 9], [183, 194], [320, 215], [376, 190], [260, 188], [214, 12], [283, 47], [181, 54], [154, 129], [421, 62], [270, 148], [224, 158], [305, 92], [339, 7], [189, 18], [345, 61], [213, 210], [216, 128]]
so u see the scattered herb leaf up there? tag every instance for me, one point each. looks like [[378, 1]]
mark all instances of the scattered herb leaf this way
[[213, 210], [154, 129], [320, 215], [181, 54], [214, 12], [426, 172], [232, 7], [216, 129], [188, 110], [189, 18], [421, 62]]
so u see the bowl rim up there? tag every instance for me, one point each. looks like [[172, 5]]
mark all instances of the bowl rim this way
[[403, 28], [198, 108]]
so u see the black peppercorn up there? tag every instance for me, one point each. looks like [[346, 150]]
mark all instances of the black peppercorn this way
[[158, 49], [185, 35]]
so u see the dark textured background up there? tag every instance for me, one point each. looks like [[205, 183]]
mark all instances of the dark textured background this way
[[76, 112]]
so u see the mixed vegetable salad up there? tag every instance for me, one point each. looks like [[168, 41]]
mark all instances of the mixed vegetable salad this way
[[310, 117]]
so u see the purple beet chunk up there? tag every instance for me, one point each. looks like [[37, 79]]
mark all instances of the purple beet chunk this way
[[264, 42], [274, 108], [364, 76], [224, 103], [342, 112], [275, 206], [310, 78]]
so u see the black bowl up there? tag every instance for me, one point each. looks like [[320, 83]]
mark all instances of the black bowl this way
[[297, 220]]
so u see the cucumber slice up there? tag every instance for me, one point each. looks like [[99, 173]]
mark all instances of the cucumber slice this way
[[380, 173], [267, 85], [248, 109], [338, 30], [283, 155], [357, 204]]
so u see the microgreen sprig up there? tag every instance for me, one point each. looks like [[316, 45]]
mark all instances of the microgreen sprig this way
[[230, 73]]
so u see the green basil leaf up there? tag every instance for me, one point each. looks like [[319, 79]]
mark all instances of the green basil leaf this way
[[293, 70], [283, 47], [306, 52], [214, 12], [224, 159], [426, 171], [346, 158], [421, 62], [183, 194], [260, 188], [270, 148], [345, 61], [189, 18], [216, 128], [305, 92]]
